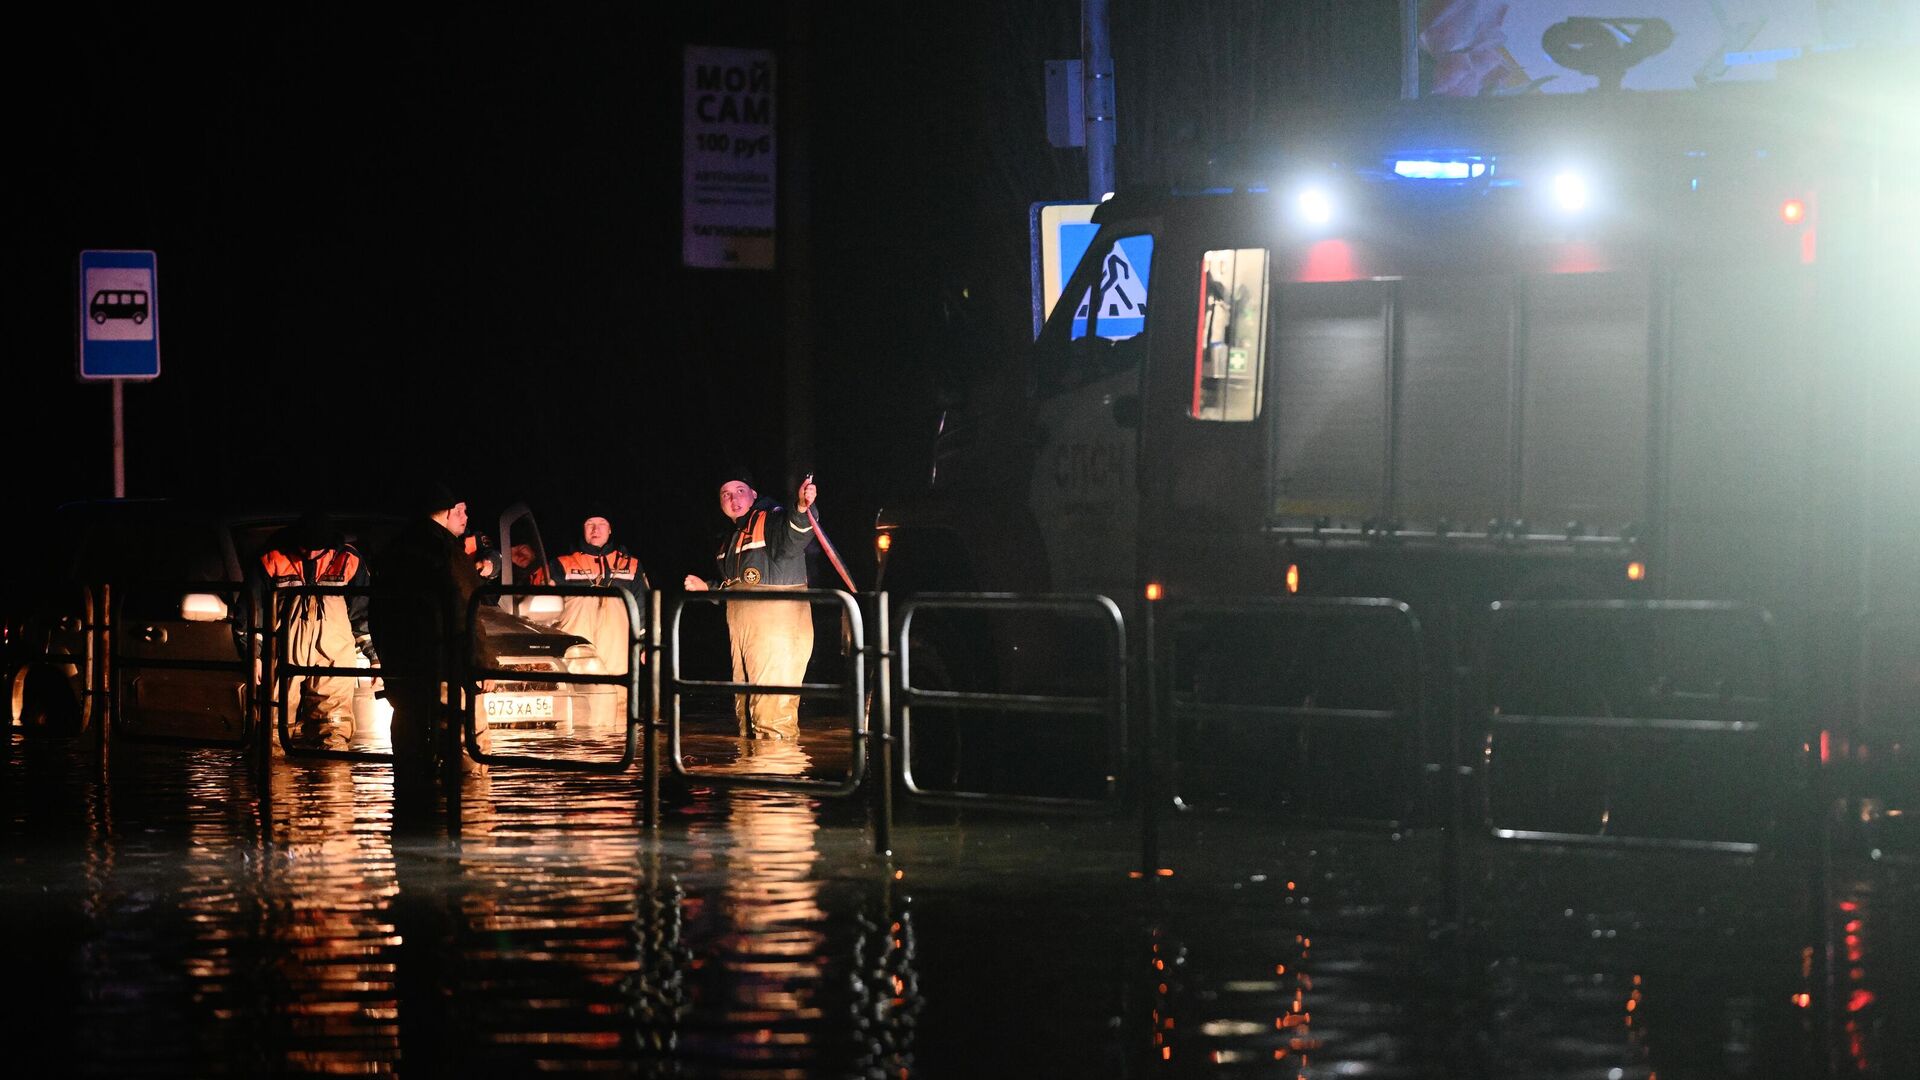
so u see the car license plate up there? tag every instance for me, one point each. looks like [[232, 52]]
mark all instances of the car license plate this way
[[519, 707]]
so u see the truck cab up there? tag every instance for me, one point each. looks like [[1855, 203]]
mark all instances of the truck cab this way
[[1609, 345]]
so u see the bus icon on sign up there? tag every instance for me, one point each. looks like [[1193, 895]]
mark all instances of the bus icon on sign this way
[[118, 304]]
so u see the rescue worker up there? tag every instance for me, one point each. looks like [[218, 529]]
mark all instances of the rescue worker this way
[[486, 558], [602, 620], [320, 630], [771, 641], [526, 568], [428, 580]]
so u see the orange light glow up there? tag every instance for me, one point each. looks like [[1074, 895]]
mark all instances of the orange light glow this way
[[1166, 1053], [1636, 571], [1793, 211], [1154, 591], [1164, 872], [1329, 260], [884, 541], [1803, 1000], [1293, 577]]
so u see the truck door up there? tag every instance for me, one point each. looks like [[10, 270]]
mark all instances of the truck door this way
[[1083, 492], [1203, 441]]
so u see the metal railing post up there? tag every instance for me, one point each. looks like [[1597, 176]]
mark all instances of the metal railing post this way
[[650, 762], [880, 733], [1147, 768]]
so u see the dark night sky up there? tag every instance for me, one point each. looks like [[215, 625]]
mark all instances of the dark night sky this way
[[401, 242]]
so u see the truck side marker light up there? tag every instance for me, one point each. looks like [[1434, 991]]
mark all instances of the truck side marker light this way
[[1154, 591], [1636, 571], [1293, 578], [884, 541]]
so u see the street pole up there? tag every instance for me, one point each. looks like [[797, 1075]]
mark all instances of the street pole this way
[[1409, 49], [1096, 97], [119, 440]]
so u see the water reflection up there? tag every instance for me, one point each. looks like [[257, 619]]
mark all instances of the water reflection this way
[[167, 930]]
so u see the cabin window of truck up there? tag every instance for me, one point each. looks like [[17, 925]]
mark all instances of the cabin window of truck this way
[[1230, 338]]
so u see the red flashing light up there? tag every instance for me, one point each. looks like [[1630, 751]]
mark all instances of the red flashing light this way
[[1793, 211]]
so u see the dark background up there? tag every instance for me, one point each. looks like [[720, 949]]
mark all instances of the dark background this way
[[444, 242]]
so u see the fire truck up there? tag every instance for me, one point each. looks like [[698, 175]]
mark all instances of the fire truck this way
[[1629, 346]]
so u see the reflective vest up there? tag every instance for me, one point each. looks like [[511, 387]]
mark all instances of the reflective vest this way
[[608, 567], [329, 567]]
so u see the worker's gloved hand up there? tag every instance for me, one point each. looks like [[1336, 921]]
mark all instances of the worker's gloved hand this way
[[364, 643]]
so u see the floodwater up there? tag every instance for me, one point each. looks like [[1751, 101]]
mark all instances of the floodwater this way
[[158, 926]]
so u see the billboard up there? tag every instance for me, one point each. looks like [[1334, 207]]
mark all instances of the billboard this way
[[1474, 47]]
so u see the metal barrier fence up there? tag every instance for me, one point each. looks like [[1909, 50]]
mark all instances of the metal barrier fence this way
[[1879, 758], [1731, 696], [83, 655], [1308, 683], [1112, 706], [478, 675], [1609, 705], [851, 690], [124, 661], [277, 674]]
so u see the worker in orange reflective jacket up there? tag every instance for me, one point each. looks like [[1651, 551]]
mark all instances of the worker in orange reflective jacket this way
[[319, 630], [602, 620]]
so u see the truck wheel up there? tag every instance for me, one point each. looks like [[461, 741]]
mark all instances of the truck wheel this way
[[42, 699], [940, 745]]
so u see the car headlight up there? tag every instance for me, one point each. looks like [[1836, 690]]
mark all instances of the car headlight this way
[[582, 660]]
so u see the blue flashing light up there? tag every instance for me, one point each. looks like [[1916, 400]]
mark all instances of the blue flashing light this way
[[1438, 170]]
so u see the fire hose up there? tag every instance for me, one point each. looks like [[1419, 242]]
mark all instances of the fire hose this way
[[827, 545]]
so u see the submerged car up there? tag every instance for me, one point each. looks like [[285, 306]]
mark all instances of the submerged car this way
[[140, 605]]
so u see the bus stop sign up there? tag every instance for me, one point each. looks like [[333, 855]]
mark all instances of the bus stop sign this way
[[119, 316]]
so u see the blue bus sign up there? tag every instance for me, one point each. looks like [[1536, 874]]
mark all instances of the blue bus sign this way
[[119, 316]]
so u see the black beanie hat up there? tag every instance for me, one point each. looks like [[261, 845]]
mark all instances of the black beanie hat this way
[[436, 497], [736, 472]]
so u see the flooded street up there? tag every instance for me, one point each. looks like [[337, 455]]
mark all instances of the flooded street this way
[[159, 927]]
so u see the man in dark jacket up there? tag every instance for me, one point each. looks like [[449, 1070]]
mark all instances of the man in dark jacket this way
[[418, 616], [772, 642]]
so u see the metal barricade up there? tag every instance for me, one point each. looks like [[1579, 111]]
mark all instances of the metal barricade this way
[[852, 691], [277, 675], [239, 659], [87, 632], [638, 720], [1112, 706], [1408, 716], [1639, 700], [1880, 756]]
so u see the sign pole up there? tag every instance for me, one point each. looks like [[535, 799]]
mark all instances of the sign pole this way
[[119, 440], [119, 319]]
